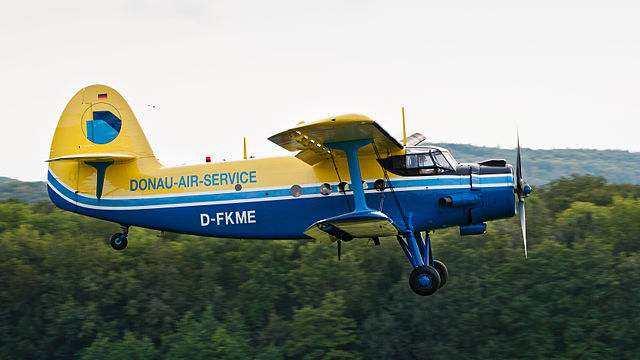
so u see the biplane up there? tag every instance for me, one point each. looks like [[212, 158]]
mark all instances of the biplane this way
[[349, 179]]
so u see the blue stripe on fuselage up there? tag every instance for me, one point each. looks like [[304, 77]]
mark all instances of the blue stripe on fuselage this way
[[279, 215], [149, 201]]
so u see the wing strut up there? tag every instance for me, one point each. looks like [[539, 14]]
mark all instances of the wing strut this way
[[351, 149], [344, 191], [395, 197], [362, 222]]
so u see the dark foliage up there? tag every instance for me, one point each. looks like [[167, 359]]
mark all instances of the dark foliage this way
[[65, 294]]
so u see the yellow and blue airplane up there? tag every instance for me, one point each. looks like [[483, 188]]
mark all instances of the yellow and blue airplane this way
[[349, 180]]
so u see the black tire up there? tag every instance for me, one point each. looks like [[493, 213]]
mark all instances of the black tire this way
[[424, 280], [118, 242], [442, 271]]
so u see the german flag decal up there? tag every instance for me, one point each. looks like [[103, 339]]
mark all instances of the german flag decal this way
[[102, 96]]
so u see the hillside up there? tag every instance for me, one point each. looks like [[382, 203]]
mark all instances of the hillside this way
[[542, 166], [29, 192], [5, 179]]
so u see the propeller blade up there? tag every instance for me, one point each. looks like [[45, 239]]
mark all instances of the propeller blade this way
[[523, 225], [522, 190], [518, 167]]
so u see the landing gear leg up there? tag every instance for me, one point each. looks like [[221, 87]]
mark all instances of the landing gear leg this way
[[119, 240], [428, 275]]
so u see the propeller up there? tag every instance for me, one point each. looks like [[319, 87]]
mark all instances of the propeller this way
[[522, 190]]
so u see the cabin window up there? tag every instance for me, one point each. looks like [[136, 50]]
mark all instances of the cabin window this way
[[418, 161]]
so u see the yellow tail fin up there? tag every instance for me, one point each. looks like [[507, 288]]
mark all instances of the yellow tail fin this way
[[98, 120], [97, 129]]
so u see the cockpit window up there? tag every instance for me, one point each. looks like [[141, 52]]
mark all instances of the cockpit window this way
[[441, 161], [419, 161]]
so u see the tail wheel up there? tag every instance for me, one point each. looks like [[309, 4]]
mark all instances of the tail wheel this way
[[442, 271], [119, 241], [424, 280]]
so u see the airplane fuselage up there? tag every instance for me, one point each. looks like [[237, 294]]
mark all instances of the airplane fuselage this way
[[278, 198]]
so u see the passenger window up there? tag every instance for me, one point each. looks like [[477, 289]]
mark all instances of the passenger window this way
[[412, 161], [424, 160]]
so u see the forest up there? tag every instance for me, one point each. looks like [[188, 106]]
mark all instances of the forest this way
[[66, 294]]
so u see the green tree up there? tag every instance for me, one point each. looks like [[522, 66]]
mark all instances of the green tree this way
[[128, 347], [622, 224], [579, 221], [193, 338], [323, 332], [208, 338]]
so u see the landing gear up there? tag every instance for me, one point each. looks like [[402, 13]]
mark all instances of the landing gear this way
[[119, 240], [442, 271], [428, 274], [424, 280]]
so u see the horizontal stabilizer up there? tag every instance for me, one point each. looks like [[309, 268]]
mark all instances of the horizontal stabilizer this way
[[357, 224], [95, 157]]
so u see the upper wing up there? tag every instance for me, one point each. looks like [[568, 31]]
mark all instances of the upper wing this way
[[310, 138]]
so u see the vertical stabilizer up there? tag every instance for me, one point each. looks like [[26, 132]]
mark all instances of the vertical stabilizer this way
[[98, 140]]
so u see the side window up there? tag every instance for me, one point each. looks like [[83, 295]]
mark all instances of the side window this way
[[424, 160], [412, 161]]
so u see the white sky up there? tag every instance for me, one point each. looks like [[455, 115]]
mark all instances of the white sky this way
[[566, 73]]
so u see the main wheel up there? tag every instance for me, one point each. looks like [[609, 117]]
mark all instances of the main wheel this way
[[424, 280], [119, 241], [442, 271]]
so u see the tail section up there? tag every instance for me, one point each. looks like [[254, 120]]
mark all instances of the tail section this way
[[97, 141], [98, 120]]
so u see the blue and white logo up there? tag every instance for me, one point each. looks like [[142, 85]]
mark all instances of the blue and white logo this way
[[104, 125]]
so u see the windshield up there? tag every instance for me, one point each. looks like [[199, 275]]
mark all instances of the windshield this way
[[420, 161]]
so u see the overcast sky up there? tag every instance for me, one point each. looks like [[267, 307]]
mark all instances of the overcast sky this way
[[566, 73]]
